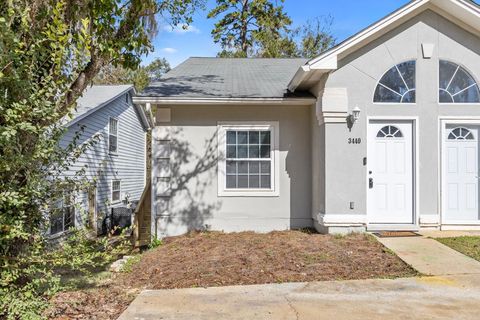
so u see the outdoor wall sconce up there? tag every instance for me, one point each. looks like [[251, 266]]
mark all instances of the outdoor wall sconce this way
[[353, 117]]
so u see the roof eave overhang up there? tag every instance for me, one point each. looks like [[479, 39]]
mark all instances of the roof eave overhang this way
[[224, 101], [467, 12]]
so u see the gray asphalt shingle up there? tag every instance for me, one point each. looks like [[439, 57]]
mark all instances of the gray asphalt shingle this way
[[96, 95], [226, 78]]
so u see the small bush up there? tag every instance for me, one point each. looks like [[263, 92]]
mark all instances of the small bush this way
[[27, 286], [155, 243], [128, 266]]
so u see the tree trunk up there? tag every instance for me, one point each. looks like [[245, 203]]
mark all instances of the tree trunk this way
[[244, 28]]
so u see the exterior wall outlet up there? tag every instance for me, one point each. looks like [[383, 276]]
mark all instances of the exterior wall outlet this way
[[352, 205]]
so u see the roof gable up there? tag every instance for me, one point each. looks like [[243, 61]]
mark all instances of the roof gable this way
[[98, 96], [465, 13]]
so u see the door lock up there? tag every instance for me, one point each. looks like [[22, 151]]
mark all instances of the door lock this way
[[370, 183]]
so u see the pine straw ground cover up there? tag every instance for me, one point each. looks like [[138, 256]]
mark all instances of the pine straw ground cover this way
[[219, 259]]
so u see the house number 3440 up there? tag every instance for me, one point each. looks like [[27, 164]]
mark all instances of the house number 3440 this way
[[354, 140]]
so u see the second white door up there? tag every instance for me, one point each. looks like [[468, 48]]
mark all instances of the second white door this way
[[461, 175]]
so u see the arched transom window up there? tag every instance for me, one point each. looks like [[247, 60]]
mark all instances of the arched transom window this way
[[397, 85], [389, 132], [457, 85], [461, 134]]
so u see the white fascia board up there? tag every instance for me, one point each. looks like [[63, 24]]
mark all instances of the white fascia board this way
[[456, 8], [327, 64], [366, 33], [220, 101], [299, 76]]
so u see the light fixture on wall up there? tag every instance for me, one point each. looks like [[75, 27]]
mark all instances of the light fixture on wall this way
[[353, 117]]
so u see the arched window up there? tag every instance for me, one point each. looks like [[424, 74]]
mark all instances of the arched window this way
[[389, 132], [461, 134], [397, 85], [457, 85]]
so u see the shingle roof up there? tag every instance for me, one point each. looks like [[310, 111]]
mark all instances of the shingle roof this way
[[227, 78], [97, 95]]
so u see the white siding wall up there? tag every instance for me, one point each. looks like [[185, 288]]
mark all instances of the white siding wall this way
[[128, 164]]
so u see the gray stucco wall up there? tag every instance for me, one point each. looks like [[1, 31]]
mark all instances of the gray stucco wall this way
[[193, 200], [345, 172], [128, 164]]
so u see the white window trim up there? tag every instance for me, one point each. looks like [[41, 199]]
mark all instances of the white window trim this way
[[222, 128], [110, 134], [111, 192]]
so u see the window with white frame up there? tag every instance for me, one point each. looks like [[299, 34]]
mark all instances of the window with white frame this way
[[113, 135], [116, 190], [248, 163], [62, 216]]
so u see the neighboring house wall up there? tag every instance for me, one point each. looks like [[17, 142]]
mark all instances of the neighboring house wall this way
[[186, 149], [127, 165], [346, 173]]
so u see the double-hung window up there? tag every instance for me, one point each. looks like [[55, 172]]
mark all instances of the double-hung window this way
[[113, 135], [248, 159], [115, 191], [62, 216]]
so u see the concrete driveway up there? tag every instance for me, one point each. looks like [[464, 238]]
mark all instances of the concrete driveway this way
[[449, 297]]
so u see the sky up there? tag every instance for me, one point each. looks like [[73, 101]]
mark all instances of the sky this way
[[350, 16]]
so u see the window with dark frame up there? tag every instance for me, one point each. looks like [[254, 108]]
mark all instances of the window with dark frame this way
[[113, 135], [248, 159], [397, 85], [115, 190], [456, 84], [62, 216]]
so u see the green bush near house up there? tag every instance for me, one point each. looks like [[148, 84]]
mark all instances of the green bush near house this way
[[467, 245]]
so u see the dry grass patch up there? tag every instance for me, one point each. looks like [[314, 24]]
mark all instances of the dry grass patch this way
[[220, 259]]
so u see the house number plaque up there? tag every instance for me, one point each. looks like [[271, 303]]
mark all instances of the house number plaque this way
[[354, 140]]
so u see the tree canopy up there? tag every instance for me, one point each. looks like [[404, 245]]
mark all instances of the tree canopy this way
[[261, 28], [50, 51], [243, 22], [139, 77]]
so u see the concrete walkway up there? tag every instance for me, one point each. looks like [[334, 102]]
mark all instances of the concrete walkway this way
[[430, 257], [450, 297]]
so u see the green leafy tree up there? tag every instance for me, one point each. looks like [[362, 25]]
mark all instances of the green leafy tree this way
[[50, 51], [315, 37], [120, 75], [157, 68], [139, 77], [243, 23]]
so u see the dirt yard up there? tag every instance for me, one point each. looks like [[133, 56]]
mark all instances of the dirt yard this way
[[218, 259]]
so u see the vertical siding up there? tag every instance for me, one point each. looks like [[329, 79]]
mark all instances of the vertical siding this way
[[128, 164]]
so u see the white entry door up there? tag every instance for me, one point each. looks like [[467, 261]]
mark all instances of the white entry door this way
[[460, 172], [390, 172]]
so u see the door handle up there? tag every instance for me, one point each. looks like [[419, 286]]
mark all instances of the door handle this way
[[370, 183]]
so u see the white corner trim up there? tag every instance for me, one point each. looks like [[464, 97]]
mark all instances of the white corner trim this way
[[222, 127], [429, 219], [341, 219]]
